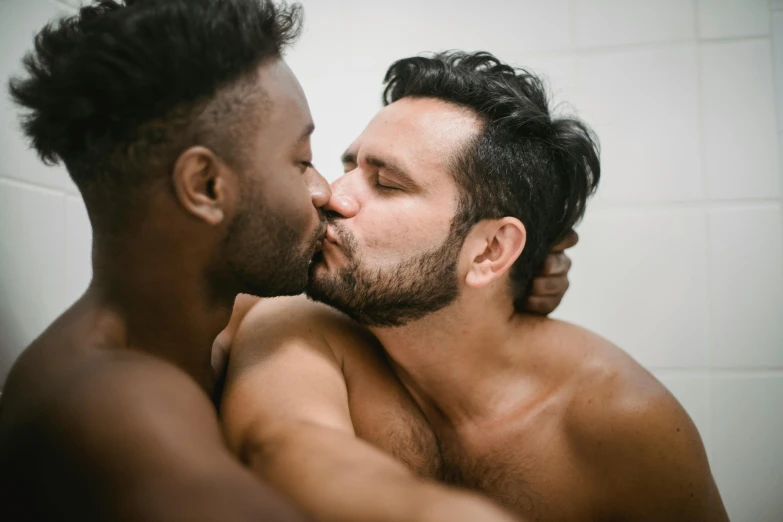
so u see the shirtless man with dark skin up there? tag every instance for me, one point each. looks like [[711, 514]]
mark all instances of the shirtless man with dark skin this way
[[450, 199], [189, 139]]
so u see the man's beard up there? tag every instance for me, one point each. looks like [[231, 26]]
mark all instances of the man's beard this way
[[264, 258], [390, 296]]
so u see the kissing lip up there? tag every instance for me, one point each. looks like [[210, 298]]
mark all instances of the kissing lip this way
[[331, 235]]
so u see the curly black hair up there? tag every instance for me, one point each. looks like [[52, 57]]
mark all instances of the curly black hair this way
[[120, 89], [524, 163]]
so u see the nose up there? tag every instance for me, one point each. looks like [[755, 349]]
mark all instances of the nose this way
[[320, 192], [342, 202]]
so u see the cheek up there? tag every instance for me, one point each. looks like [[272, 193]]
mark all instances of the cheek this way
[[393, 230], [289, 197]]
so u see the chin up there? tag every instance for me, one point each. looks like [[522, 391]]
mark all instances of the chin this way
[[315, 279], [277, 285], [275, 292], [318, 267], [319, 287]]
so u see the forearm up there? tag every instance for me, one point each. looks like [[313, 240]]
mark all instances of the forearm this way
[[210, 499], [335, 477]]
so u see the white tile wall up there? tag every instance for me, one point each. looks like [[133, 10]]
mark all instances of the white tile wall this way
[[747, 430], [78, 234], [644, 106], [777, 38], [559, 72], [746, 281], [740, 145], [731, 18], [19, 21], [681, 255], [324, 39], [385, 31], [338, 120], [601, 23], [639, 279], [33, 289]]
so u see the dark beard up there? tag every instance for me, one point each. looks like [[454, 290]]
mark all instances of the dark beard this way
[[264, 258], [392, 296]]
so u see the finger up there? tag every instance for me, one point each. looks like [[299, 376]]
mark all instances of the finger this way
[[220, 352], [549, 286], [542, 305], [571, 239], [555, 264]]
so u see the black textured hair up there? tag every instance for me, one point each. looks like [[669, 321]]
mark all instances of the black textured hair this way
[[523, 163], [123, 87]]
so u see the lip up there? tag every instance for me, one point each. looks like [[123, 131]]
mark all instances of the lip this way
[[331, 235]]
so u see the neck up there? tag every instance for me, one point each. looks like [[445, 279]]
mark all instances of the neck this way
[[164, 303], [458, 363]]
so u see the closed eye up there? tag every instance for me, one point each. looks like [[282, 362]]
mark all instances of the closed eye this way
[[380, 186]]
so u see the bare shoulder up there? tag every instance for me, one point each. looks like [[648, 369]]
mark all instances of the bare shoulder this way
[[340, 375], [297, 313], [286, 319], [100, 392], [128, 436], [632, 436], [74, 371], [613, 394], [103, 422], [610, 396]]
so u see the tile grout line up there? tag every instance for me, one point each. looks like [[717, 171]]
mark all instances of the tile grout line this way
[[695, 204], [660, 45], [777, 45], [34, 186], [573, 59], [704, 371], [705, 213]]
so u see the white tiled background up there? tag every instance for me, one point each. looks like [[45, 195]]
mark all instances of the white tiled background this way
[[681, 259]]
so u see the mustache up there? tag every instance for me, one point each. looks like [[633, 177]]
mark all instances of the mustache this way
[[320, 232], [347, 241], [323, 221]]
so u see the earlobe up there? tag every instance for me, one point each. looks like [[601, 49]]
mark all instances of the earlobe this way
[[200, 184], [479, 274]]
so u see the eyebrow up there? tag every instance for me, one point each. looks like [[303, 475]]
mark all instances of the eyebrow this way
[[348, 157], [307, 132], [399, 172]]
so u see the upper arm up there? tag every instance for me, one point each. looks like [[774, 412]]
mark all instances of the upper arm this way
[[144, 441], [282, 369], [650, 458]]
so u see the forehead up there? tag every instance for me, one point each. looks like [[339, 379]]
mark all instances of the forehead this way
[[422, 135], [287, 109]]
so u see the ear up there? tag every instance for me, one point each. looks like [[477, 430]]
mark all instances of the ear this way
[[493, 247], [205, 186]]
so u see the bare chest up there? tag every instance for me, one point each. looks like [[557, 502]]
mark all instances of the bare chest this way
[[386, 416], [527, 472], [525, 464], [527, 467]]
